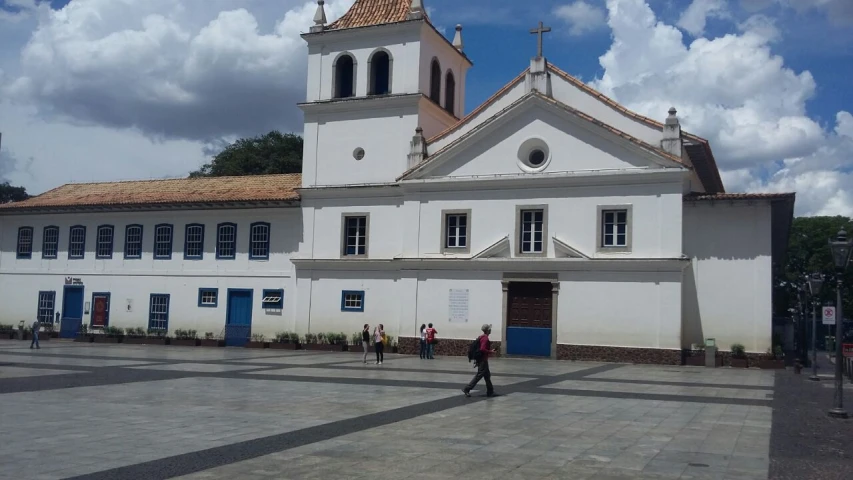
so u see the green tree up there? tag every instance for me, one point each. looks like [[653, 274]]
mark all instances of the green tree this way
[[8, 193], [274, 152]]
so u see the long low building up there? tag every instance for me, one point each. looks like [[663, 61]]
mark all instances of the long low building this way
[[578, 228]]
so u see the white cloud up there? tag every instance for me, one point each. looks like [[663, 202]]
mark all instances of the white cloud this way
[[694, 18], [734, 91], [838, 12], [581, 17]]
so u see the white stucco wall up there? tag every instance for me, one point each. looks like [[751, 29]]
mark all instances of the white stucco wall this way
[[728, 288]]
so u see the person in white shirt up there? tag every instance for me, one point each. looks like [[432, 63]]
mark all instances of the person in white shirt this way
[[36, 327]]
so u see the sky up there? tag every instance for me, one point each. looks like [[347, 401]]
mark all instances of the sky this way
[[96, 90]]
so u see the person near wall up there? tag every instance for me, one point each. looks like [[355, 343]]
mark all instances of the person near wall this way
[[365, 342], [483, 372], [379, 343], [423, 341], [36, 327], [430, 341]]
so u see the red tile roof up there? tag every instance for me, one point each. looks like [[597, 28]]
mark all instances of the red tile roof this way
[[256, 188], [366, 13]]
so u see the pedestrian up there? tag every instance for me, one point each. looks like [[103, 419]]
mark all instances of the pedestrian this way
[[378, 343], [36, 326], [365, 342], [430, 341], [423, 342], [482, 364]]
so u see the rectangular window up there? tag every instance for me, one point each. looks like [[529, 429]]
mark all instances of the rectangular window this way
[[104, 248], [133, 241], [226, 241], [208, 297], [47, 303], [355, 235], [273, 299], [259, 241], [77, 242], [614, 225], [194, 242], [158, 313], [25, 242], [456, 228], [532, 231], [163, 242], [50, 242], [352, 301]]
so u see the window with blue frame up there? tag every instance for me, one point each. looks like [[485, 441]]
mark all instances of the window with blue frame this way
[[77, 242], [104, 245], [25, 242], [226, 241], [163, 242], [273, 299], [133, 241], [194, 242], [352, 301], [158, 312], [46, 307], [208, 297], [259, 241], [50, 242]]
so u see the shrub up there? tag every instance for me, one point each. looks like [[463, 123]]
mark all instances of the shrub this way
[[738, 351], [310, 338], [257, 337], [208, 335], [356, 338], [286, 337], [135, 332], [321, 338], [113, 331], [84, 329], [186, 334], [157, 332]]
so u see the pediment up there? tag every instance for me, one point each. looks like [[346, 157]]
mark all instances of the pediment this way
[[563, 249], [570, 140], [499, 249]]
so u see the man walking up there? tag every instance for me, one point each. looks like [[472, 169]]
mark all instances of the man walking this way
[[482, 364], [36, 327]]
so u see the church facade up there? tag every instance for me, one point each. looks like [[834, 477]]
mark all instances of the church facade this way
[[578, 228]]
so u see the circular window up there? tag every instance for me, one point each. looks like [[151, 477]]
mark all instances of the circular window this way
[[358, 153], [536, 158], [533, 155]]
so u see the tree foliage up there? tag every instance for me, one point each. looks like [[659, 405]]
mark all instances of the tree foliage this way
[[274, 152], [8, 193]]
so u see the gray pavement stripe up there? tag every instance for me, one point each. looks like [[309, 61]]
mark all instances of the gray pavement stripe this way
[[653, 396]]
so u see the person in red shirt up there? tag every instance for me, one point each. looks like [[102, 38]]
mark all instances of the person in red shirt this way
[[483, 364], [430, 334]]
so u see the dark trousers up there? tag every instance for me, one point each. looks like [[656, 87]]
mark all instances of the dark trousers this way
[[35, 340], [482, 373], [380, 348], [423, 349]]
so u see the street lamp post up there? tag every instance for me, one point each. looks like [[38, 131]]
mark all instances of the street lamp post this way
[[815, 282], [841, 248]]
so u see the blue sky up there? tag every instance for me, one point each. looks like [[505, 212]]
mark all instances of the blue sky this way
[[766, 81]]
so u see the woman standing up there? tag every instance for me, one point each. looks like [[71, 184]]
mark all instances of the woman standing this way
[[365, 341], [378, 338], [423, 342]]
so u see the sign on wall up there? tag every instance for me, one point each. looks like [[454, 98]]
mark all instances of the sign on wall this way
[[458, 305], [829, 315], [73, 281]]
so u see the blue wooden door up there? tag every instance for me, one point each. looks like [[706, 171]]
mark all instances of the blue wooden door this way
[[238, 319], [529, 324], [72, 311]]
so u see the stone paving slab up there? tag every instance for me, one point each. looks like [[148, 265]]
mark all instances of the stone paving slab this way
[[702, 391], [20, 372], [377, 372], [194, 367], [35, 359], [730, 376]]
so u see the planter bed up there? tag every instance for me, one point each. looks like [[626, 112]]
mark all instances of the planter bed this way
[[360, 349], [211, 343], [105, 339], [83, 338], [284, 346], [695, 361], [771, 364], [325, 347], [739, 363], [146, 340], [257, 344], [184, 342]]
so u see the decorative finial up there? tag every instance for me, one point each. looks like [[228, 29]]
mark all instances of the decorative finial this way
[[672, 119], [419, 131], [541, 29], [320, 15], [457, 39]]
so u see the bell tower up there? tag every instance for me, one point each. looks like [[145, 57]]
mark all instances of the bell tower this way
[[376, 75]]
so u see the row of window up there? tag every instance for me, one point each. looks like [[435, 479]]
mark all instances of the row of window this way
[[226, 242], [531, 231]]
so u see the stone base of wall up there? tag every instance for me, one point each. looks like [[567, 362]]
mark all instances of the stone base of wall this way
[[447, 347], [597, 353]]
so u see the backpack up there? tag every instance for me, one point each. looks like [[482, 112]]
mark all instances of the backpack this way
[[474, 352]]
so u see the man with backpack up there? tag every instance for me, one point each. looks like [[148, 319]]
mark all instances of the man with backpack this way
[[430, 341], [479, 352]]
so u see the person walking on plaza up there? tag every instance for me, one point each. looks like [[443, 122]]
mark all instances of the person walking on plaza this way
[[423, 342], [365, 341], [36, 327], [430, 341], [482, 364], [378, 343]]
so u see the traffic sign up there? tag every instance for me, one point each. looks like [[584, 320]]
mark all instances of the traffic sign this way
[[829, 315]]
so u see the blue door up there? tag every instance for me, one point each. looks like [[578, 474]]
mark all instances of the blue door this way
[[238, 319], [529, 324], [72, 311]]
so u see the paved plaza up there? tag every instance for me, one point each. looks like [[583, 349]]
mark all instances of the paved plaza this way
[[92, 411]]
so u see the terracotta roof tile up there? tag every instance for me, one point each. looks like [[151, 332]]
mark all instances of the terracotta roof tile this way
[[257, 188], [738, 196], [366, 13]]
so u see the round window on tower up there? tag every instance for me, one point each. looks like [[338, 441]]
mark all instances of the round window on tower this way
[[358, 153], [533, 155]]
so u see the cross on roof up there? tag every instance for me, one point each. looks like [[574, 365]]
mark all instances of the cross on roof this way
[[541, 29]]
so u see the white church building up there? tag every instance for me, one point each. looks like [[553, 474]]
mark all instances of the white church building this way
[[577, 228]]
